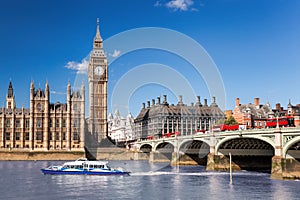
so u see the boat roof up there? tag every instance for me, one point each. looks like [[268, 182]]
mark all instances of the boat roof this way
[[80, 161]]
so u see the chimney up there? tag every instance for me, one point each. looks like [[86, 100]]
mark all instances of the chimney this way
[[192, 104], [148, 104], [165, 99], [256, 102], [180, 100], [158, 100], [278, 106], [205, 102], [144, 105], [237, 102], [214, 99], [198, 101], [153, 102]]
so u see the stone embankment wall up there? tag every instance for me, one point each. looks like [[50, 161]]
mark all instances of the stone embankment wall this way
[[116, 154], [41, 155], [285, 168], [99, 154]]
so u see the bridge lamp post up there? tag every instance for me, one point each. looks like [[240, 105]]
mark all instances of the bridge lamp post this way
[[277, 116], [241, 133]]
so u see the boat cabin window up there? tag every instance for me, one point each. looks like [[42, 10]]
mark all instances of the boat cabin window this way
[[73, 166], [97, 166]]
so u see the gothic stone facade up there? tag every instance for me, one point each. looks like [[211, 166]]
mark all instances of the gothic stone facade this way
[[43, 126], [161, 118], [120, 129], [98, 78]]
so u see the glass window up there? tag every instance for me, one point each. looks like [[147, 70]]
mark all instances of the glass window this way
[[39, 135], [7, 136], [27, 136], [39, 123], [17, 136], [75, 107], [57, 123], [75, 123], [18, 123], [50, 123], [56, 136], [7, 123], [64, 123], [26, 123], [64, 135], [75, 136], [39, 107]]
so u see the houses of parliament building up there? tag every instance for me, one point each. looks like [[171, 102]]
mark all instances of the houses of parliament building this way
[[43, 126], [46, 126]]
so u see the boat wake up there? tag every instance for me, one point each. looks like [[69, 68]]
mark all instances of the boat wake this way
[[158, 173]]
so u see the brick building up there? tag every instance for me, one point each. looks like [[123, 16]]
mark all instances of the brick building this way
[[252, 115], [256, 115]]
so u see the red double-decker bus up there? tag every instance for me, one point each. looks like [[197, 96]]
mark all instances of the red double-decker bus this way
[[287, 121], [224, 127], [167, 135]]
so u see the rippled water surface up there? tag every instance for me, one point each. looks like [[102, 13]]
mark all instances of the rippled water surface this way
[[24, 180]]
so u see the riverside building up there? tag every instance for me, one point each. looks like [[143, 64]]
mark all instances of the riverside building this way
[[160, 118], [43, 126], [46, 126]]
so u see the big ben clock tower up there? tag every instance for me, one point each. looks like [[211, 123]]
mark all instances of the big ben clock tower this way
[[97, 77]]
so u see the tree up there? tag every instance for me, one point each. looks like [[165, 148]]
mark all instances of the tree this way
[[230, 121]]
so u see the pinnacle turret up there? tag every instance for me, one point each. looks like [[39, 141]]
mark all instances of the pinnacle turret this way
[[10, 92], [98, 36]]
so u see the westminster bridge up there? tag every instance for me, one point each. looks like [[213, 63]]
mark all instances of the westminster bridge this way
[[276, 150]]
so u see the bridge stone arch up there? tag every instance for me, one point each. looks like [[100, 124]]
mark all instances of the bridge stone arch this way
[[289, 144], [163, 151], [145, 148], [194, 151], [194, 144], [248, 153], [228, 138], [163, 144]]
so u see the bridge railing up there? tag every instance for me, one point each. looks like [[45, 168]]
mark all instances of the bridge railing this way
[[221, 133]]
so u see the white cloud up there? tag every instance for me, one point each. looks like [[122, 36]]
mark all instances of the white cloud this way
[[157, 4], [57, 92], [183, 5], [80, 67], [115, 54]]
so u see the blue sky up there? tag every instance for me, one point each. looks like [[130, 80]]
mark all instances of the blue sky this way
[[254, 44]]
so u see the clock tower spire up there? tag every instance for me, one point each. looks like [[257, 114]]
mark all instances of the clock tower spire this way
[[98, 36], [98, 77]]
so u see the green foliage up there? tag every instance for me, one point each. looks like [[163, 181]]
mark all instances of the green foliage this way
[[230, 121]]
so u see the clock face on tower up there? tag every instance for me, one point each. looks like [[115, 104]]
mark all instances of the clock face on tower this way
[[99, 70]]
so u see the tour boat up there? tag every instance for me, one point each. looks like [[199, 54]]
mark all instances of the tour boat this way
[[82, 166]]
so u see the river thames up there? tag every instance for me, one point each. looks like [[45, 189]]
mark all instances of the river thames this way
[[24, 180]]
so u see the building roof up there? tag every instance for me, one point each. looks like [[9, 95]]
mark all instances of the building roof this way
[[260, 111], [181, 109]]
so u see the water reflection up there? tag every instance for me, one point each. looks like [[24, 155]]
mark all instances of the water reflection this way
[[24, 180], [283, 189]]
